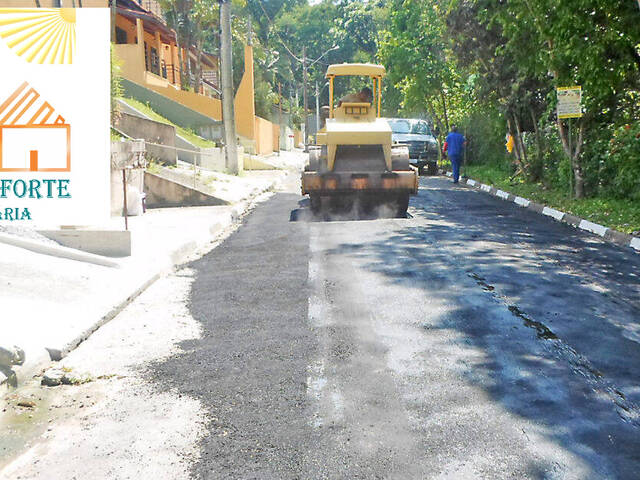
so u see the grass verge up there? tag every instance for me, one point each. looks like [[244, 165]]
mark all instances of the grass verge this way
[[621, 215], [188, 135]]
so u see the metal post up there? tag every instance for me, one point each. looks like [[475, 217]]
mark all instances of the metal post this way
[[226, 63], [570, 160], [317, 111], [280, 116], [124, 199], [331, 96], [304, 97], [464, 150], [113, 20]]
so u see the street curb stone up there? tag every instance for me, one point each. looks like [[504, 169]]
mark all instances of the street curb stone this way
[[609, 235], [57, 251]]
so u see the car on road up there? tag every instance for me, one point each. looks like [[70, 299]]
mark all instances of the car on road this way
[[417, 136]]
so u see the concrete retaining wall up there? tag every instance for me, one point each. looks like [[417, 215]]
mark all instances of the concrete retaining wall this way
[[162, 192], [151, 131], [208, 158], [212, 159]]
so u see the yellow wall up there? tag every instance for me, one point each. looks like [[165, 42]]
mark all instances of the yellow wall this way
[[275, 137], [128, 26], [244, 106], [132, 62], [211, 107], [266, 136]]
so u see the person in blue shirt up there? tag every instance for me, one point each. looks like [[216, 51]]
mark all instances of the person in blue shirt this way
[[454, 147]]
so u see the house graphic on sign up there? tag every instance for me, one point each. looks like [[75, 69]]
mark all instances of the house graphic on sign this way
[[33, 137]]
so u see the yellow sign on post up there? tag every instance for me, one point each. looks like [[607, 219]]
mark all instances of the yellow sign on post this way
[[569, 102]]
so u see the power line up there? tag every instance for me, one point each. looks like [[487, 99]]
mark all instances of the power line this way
[[259, 2]]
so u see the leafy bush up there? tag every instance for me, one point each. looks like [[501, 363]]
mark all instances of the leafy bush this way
[[485, 133], [624, 161]]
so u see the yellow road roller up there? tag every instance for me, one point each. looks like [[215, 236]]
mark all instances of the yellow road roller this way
[[354, 163]]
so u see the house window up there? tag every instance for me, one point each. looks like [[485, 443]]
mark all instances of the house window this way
[[155, 61], [121, 36]]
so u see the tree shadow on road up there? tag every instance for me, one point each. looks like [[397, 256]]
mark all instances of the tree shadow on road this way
[[561, 338]]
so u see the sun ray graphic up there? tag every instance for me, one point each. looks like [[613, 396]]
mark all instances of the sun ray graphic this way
[[44, 35]]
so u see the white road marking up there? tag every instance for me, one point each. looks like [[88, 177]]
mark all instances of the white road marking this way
[[523, 202]]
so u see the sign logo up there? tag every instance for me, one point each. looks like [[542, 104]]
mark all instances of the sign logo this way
[[55, 76], [33, 138], [44, 36]]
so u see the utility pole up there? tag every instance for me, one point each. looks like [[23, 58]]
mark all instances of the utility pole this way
[[317, 110], [304, 96], [280, 115], [114, 9], [226, 63]]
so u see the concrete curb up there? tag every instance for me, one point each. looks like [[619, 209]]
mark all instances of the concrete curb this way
[[57, 251], [607, 234], [38, 360]]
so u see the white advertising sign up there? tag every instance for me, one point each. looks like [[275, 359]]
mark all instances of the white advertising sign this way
[[54, 116]]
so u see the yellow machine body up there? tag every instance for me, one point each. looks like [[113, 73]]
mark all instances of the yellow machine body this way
[[354, 152]]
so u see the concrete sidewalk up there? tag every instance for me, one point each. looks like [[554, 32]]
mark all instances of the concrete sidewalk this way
[[50, 303]]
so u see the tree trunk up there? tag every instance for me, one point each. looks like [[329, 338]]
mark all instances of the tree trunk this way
[[574, 155], [198, 79], [577, 165], [517, 153], [524, 162], [38, 3], [436, 118], [444, 109], [536, 171]]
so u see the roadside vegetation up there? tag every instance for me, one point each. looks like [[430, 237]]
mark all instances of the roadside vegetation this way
[[617, 213], [185, 133], [493, 68]]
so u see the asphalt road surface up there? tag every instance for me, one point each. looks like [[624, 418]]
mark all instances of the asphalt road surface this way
[[473, 340]]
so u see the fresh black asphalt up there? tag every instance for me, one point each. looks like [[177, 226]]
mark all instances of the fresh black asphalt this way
[[473, 340]]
